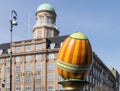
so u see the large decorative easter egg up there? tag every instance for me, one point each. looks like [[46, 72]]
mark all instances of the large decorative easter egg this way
[[74, 57]]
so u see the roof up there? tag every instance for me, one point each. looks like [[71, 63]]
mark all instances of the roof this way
[[4, 47], [46, 6], [57, 40]]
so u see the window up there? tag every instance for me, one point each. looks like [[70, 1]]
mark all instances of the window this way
[[41, 20], [39, 34], [28, 47], [18, 89], [27, 68], [38, 67], [61, 88], [28, 79], [60, 78], [49, 20], [28, 88], [50, 77], [51, 55], [7, 69], [50, 66], [38, 89], [28, 58], [38, 56], [49, 33], [38, 46], [9, 50], [52, 45], [18, 59], [37, 78], [7, 89], [7, 59], [50, 88], [17, 79], [7, 79], [18, 49], [18, 68], [1, 50]]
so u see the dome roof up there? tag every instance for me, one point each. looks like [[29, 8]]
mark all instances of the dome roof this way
[[78, 35], [46, 6]]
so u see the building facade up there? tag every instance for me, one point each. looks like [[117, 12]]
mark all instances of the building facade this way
[[34, 61]]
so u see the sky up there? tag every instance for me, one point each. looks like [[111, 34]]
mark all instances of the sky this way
[[99, 20]]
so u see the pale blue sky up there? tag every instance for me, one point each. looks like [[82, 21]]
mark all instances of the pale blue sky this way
[[99, 20]]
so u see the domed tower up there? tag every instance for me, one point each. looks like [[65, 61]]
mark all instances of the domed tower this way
[[45, 22]]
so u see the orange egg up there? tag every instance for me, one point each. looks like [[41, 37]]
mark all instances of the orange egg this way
[[75, 57]]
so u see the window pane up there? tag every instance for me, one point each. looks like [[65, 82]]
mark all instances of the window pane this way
[[49, 33], [39, 34], [50, 88], [51, 56], [18, 88], [28, 58], [28, 78], [18, 68], [18, 49], [38, 89], [38, 56], [28, 89], [28, 47], [50, 66], [28, 68], [18, 59], [7, 69], [7, 89], [38, 46], [37, 78], [7, 79], [7, 59], [50, 77], [17, 79], [38, 67]]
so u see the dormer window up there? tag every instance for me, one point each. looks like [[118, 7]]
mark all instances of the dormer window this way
[[1, 51], [52, 45], [8, 50]]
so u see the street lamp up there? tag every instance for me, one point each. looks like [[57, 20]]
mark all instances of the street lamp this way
[[13, 22]]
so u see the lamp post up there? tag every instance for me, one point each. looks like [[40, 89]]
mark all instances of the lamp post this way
[[13, 22]]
